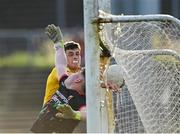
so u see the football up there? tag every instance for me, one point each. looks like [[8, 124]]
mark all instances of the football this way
[[114, 74]]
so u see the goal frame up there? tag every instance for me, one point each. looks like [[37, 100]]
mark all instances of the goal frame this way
[[97, 122]]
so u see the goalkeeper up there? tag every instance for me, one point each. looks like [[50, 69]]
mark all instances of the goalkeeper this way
[[72, 51], [67, 106]]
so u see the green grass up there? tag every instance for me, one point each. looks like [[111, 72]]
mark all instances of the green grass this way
[[24, 59]]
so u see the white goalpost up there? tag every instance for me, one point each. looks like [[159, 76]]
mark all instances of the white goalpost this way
[[91, 56], [146, 49], [97, 121]]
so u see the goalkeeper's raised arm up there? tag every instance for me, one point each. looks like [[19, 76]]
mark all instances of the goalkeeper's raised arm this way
[[55, 34]]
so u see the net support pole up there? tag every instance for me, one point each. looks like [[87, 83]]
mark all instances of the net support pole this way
[[92, 52], [92, 67]]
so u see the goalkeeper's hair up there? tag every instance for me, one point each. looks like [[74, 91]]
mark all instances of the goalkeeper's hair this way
[[71, 45]]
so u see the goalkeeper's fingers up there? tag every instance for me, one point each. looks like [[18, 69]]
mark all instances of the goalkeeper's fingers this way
[[54, 29], [51, 29], [48, 31], [54, 33]]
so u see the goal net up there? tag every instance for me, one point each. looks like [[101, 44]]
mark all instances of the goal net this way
[[147, 50]]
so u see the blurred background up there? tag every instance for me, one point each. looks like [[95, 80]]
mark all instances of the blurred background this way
[[26, 56]]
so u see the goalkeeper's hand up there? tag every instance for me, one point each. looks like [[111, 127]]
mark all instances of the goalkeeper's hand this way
[[66, 112], [54, 33]]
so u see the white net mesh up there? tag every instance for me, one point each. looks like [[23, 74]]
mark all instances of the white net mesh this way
[[150, 100], [142, 35]]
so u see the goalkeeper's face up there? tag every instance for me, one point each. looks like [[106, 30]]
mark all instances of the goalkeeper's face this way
[[73, 58]]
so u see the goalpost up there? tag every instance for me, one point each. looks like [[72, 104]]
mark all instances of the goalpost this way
[[97, 121], [147, 50]]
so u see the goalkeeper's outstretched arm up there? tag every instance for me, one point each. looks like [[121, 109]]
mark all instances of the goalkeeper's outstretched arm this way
[[54, 33]]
